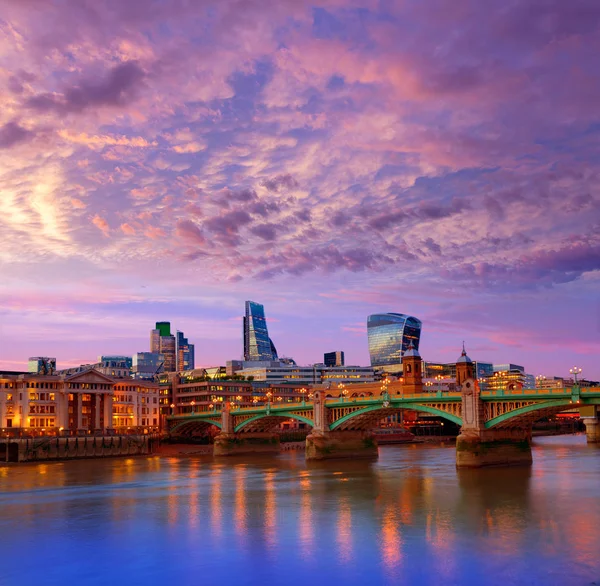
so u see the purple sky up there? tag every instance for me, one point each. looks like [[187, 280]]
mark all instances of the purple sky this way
[[167, 160]]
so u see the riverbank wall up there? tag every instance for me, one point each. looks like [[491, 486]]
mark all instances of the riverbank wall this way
[[68, 448]]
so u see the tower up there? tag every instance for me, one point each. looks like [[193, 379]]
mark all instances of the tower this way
[[465, 368], [412, 366]]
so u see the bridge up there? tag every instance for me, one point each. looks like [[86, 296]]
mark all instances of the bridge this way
[[495, 426]]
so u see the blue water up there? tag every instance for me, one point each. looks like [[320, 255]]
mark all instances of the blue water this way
[[409, 518]]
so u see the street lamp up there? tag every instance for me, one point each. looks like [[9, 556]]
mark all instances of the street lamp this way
[[269, 395], [343, 390], [438, 378], [193, 406], [575, 371], [172, 408], [539, 380], [303, 393], [212, 407]]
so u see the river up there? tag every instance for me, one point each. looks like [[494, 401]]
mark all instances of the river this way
[[408, 518]]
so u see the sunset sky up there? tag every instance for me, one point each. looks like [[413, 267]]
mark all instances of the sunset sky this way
[[167, 160]]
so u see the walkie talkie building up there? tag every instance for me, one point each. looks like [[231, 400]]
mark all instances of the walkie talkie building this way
[[257, 344], [389, 337]]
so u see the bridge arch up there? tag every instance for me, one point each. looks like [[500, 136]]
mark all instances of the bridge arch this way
[[368, 417], [530, 413], [264, 421], [188, 427]]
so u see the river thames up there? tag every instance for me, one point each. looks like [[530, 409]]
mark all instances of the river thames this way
[[408, 518]]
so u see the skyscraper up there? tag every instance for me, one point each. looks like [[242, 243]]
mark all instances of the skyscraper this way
[[162, 342], [257, 344], [389, 337], [185, 353]]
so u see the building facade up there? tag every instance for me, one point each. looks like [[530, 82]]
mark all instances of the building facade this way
[[86, 402], [147, 364], [185, 353], [389, 336], [257, 344], [334, 358], [41, 365], [163, 342]]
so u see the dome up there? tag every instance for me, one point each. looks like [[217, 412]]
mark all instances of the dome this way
[[411, 352]]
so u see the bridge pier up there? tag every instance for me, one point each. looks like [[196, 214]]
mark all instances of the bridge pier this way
[[592, 429], [477, 446], [502, 447], [340, 444], [234, 444]]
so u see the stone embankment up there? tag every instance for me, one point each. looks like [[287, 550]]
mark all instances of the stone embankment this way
[[68, 448]]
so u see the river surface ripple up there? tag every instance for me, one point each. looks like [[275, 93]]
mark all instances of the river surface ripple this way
[[408, 518]]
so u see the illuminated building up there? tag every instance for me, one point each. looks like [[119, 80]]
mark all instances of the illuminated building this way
[[506, 380], [257, 344], [389, 336], [185, 353], [84, 402], [163, 342], [277, 372]]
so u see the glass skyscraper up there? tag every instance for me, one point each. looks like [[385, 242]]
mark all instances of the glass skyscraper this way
[[390, 335], [185, 353], [257, 344]]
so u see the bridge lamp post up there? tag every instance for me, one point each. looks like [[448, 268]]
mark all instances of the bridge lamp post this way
[[575, 371], [269, 395], [438, 378], [539, 380], [303, 393], [193, 406], [428, 384], [212, 407], [172, 408], [343, 391], [255, 401]]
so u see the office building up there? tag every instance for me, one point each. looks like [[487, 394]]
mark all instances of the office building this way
[[333, 358], [276, 372], [163, 342], [147, 364], [115, 366], [508, 368], [42, 365], [389, 336], [257, 344], [184, 352]]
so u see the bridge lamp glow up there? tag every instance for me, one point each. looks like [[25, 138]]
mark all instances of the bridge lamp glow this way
[[575, 371]]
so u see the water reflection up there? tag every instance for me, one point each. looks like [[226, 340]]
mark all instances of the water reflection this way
[[408, 518]]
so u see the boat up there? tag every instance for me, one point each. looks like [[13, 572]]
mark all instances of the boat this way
[[393, 435]]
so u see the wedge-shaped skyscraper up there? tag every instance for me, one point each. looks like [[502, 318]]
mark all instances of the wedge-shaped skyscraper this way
[[257, 344], [390, 335]]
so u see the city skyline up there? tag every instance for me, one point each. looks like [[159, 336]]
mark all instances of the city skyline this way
[[333, 160]]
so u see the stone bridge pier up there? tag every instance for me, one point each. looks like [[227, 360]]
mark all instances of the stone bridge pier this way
[[323, 444], [477, 446], [591, 420], [230, 443]]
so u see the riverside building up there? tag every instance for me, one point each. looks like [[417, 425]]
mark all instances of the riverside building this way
[[85, 402]]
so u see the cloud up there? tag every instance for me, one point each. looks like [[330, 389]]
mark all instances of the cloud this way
[[190, 232], [104, 140], [102, 225], [11, 134], [280, 182], [118, 87]]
